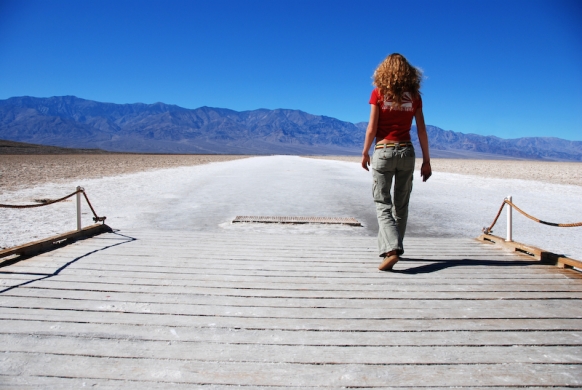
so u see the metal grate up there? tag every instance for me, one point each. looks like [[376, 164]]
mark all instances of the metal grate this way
[[299, 220]]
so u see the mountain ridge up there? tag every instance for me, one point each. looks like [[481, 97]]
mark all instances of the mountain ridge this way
[[69, 121]]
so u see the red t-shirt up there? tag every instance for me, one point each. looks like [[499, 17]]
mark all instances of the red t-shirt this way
[[394, 122]]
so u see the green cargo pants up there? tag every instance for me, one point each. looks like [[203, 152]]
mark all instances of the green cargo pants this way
[[392, 164]]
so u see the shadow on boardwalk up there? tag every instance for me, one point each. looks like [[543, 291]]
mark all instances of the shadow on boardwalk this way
[[44, 276], [439, 265]]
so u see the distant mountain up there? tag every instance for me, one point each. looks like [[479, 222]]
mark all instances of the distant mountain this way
[[543, 148], [69, 121], [72, 122], [11, 147]]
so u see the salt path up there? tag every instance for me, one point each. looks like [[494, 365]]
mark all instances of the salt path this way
[[208, 197], [177, 297]]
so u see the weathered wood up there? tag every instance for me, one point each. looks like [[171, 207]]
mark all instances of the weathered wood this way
[[495, 292], [294, 276], [243, 303], [317, 284], [73, 383], [54, 241], [280, 263], [304, 354], [167, 309], [536, 253], [565, 262], [271, 373], [267, 336], [486, 309], [294, 324]]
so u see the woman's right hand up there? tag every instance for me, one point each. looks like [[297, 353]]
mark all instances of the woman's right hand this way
[[370, 135], [365, 161]]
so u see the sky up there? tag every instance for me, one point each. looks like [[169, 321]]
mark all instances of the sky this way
[[510, 68]]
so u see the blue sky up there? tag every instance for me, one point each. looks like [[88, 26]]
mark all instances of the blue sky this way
[[508, 68]]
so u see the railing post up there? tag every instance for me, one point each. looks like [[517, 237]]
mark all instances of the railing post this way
[[509, 222], [79, 227]]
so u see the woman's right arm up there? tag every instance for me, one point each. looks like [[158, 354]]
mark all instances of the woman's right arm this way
[[370, 135]]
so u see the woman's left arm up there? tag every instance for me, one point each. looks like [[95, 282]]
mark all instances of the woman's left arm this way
[[425, 169]]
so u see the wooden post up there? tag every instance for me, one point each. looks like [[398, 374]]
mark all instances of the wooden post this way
[[509, 222], [79, 209]]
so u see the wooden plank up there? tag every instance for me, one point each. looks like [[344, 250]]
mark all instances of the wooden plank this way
[[446, 269], [369, 274], [397, 292], [320, 354], [293, 324], [411, 294], [486, 309], [54, 241], [565, 262], [194, 264], [44, 382], [535, 252], [276, 264], [190, 299], [337, 256], [284, 249], [239, 336], [70, 383], [323, 287], [319, 287], [281, 374], [297, 220]]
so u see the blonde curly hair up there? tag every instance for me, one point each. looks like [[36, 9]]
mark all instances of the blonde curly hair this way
[[395, 76]]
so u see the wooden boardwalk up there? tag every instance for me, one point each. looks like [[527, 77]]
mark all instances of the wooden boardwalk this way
[[139, 309]]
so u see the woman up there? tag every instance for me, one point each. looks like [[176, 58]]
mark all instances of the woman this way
[[394, 103]]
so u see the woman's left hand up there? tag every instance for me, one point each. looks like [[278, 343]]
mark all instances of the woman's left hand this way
[[425, 171]]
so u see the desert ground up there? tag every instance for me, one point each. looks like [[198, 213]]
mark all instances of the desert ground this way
[[26, 171], [569, 173]]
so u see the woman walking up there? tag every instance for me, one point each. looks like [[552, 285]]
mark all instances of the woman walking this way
[[394, 103]]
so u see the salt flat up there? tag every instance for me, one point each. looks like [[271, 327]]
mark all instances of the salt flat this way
[[208, 197]]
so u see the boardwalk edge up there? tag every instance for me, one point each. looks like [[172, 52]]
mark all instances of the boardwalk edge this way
[[47, 244], [532, 251]]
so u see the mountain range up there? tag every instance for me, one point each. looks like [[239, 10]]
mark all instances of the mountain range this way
[[68, 121]]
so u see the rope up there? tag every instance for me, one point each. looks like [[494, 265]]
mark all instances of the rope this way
[[96, 218], [505, 201], [28, 206], [540, 221], [489, 229]]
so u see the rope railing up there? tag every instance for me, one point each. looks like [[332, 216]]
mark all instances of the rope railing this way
[[539, 254], [44, 203], [79, 191], [507, 201]]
